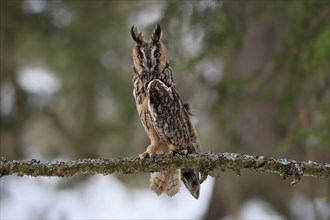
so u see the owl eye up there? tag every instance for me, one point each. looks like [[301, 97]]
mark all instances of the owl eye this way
[[140, 56], [157, 54]]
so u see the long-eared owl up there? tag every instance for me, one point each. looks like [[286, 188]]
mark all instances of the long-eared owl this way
[[164, 117]]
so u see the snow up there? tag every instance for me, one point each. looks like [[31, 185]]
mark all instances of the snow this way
[[40, 84], [259, 209], [105, 197], [100, 197], [36, 80], [318, 208]]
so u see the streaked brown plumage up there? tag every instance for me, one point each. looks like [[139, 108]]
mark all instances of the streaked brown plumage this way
[[163, 115]]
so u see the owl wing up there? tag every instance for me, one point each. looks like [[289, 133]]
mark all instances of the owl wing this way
[[170, 118], [171, 121]]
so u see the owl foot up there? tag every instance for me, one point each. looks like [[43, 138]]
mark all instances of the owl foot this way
[[148, 153], [144, 155], [152, 150], [183, 151], [180, 152]]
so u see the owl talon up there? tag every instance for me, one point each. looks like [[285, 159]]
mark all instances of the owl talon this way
[[184, 151], [148, 153], [180, 152], [145, 155], [169, 153]]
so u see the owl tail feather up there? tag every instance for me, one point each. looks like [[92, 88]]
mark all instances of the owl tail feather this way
[[166, 181], [190, 178]]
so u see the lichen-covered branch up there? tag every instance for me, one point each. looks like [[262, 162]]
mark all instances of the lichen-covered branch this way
[[206, 162]]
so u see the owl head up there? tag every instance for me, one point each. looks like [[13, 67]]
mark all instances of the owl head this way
[[148, 55]]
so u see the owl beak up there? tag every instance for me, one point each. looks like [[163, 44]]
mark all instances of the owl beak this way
[[149, 64]]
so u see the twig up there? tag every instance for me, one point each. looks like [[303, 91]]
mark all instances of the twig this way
[[206, 162]]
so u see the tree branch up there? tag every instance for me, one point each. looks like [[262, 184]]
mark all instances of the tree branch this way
[[206, 162]]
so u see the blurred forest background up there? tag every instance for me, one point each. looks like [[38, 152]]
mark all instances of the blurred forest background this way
[[257, 74]]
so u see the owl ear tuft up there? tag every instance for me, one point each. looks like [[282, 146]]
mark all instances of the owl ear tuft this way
[[157, 34], [137, 37]]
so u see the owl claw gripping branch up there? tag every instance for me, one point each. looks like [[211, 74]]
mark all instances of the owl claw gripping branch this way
[[164, 117]]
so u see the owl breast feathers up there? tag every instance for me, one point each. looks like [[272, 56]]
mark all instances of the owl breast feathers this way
[[163, 115]]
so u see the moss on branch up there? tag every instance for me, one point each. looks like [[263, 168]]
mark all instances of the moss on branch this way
[[206, 162]]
